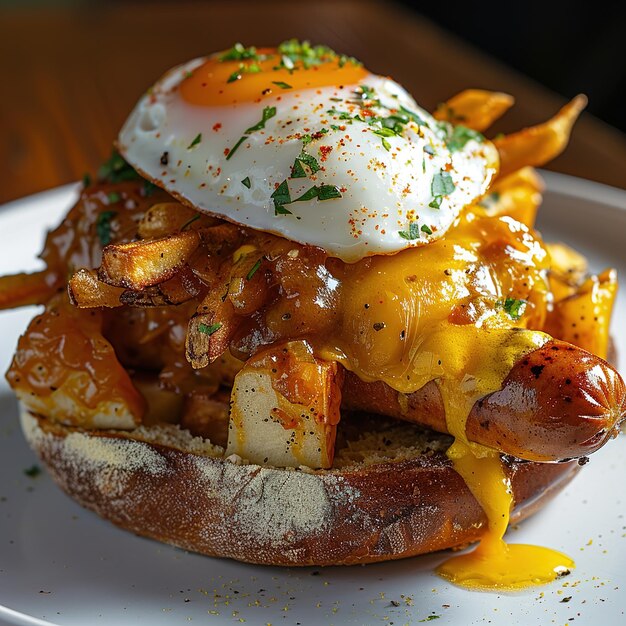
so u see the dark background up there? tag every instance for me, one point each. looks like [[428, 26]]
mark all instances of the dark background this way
[[570, 47]]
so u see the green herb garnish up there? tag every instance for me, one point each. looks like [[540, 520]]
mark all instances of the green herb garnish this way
[[33, 471], [113, 197], [246, 182], [282, 84], [253, 269], [86, 180], [413, 232], [239, 53], [117, 170], [195, 142], [190, 221], [209, 330], [268, 114], [514, 308], [103, 226], [441, 185], [281, 196], [426, 229], [460, 136]]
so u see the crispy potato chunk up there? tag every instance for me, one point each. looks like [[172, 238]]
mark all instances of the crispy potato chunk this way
[[584, 317], [539, 144], [141, 264], [568, 270], [475, 108], [285, 408], [86, 291], [517, 195], [165, 218]]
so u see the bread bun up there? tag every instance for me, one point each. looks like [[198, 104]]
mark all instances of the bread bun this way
[[392, 493]]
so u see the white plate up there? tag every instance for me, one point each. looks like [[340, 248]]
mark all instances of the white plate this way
[[61, 564]]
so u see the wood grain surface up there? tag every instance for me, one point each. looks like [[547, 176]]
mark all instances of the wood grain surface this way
[[72, 74]]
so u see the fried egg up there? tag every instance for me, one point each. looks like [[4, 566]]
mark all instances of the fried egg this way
[[306, 144]]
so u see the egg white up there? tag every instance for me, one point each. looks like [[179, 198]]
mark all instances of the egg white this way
[[386, 183]]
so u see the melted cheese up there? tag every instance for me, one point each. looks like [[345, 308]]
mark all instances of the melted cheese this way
[[433, 314]]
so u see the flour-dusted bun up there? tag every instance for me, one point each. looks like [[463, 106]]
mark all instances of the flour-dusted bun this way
[[391, 495]]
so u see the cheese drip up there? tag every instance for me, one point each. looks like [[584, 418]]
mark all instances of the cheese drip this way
[[493, 564]]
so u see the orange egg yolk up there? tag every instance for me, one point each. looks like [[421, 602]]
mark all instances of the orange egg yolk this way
[[222, 83]]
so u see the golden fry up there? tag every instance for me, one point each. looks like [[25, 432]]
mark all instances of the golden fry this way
[[584, 318], [86, 291], [166, 218], [568, 270], [141, 264], [475, 108], [539, 144], [183, 286], [24, 289], [517, 195]]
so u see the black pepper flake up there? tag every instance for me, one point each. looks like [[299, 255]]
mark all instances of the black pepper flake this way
[[379, 326], [536, 370], [583, 460], [165, 157]]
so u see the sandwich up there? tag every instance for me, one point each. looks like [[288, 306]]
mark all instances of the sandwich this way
[[296, 319]]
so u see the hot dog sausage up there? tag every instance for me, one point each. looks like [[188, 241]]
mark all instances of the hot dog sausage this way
[[559, 402]]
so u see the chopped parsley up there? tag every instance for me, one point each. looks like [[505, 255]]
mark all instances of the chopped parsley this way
[[282, 196], [282, 84], [268, 114], [86, 180], [441, 185], [246, 182], [113, 197], [33, 471], [413, 232], [240, 53], [195, 142], [460, 136], [209, 330], [294, 51], [253, 269], [298, 171], [514, 308], [148, 188], [103, 226], [191, 221], [117, 170], [430, 618], [426, 229]]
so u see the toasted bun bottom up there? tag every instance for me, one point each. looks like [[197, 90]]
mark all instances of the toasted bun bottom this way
[[162, 483]]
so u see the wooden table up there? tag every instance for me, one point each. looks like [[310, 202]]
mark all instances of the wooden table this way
[[72, 74]]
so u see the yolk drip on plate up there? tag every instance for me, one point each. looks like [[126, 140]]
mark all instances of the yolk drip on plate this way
[[493, 564]]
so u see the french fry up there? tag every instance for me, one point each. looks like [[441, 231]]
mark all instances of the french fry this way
[[86, 291], [24, 289], [141, 264], [211, 329], [166, 218], [568, 270], [183, 286], [285, 408], [539, 144], [475, 108], [517, 195], [584, 318]]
